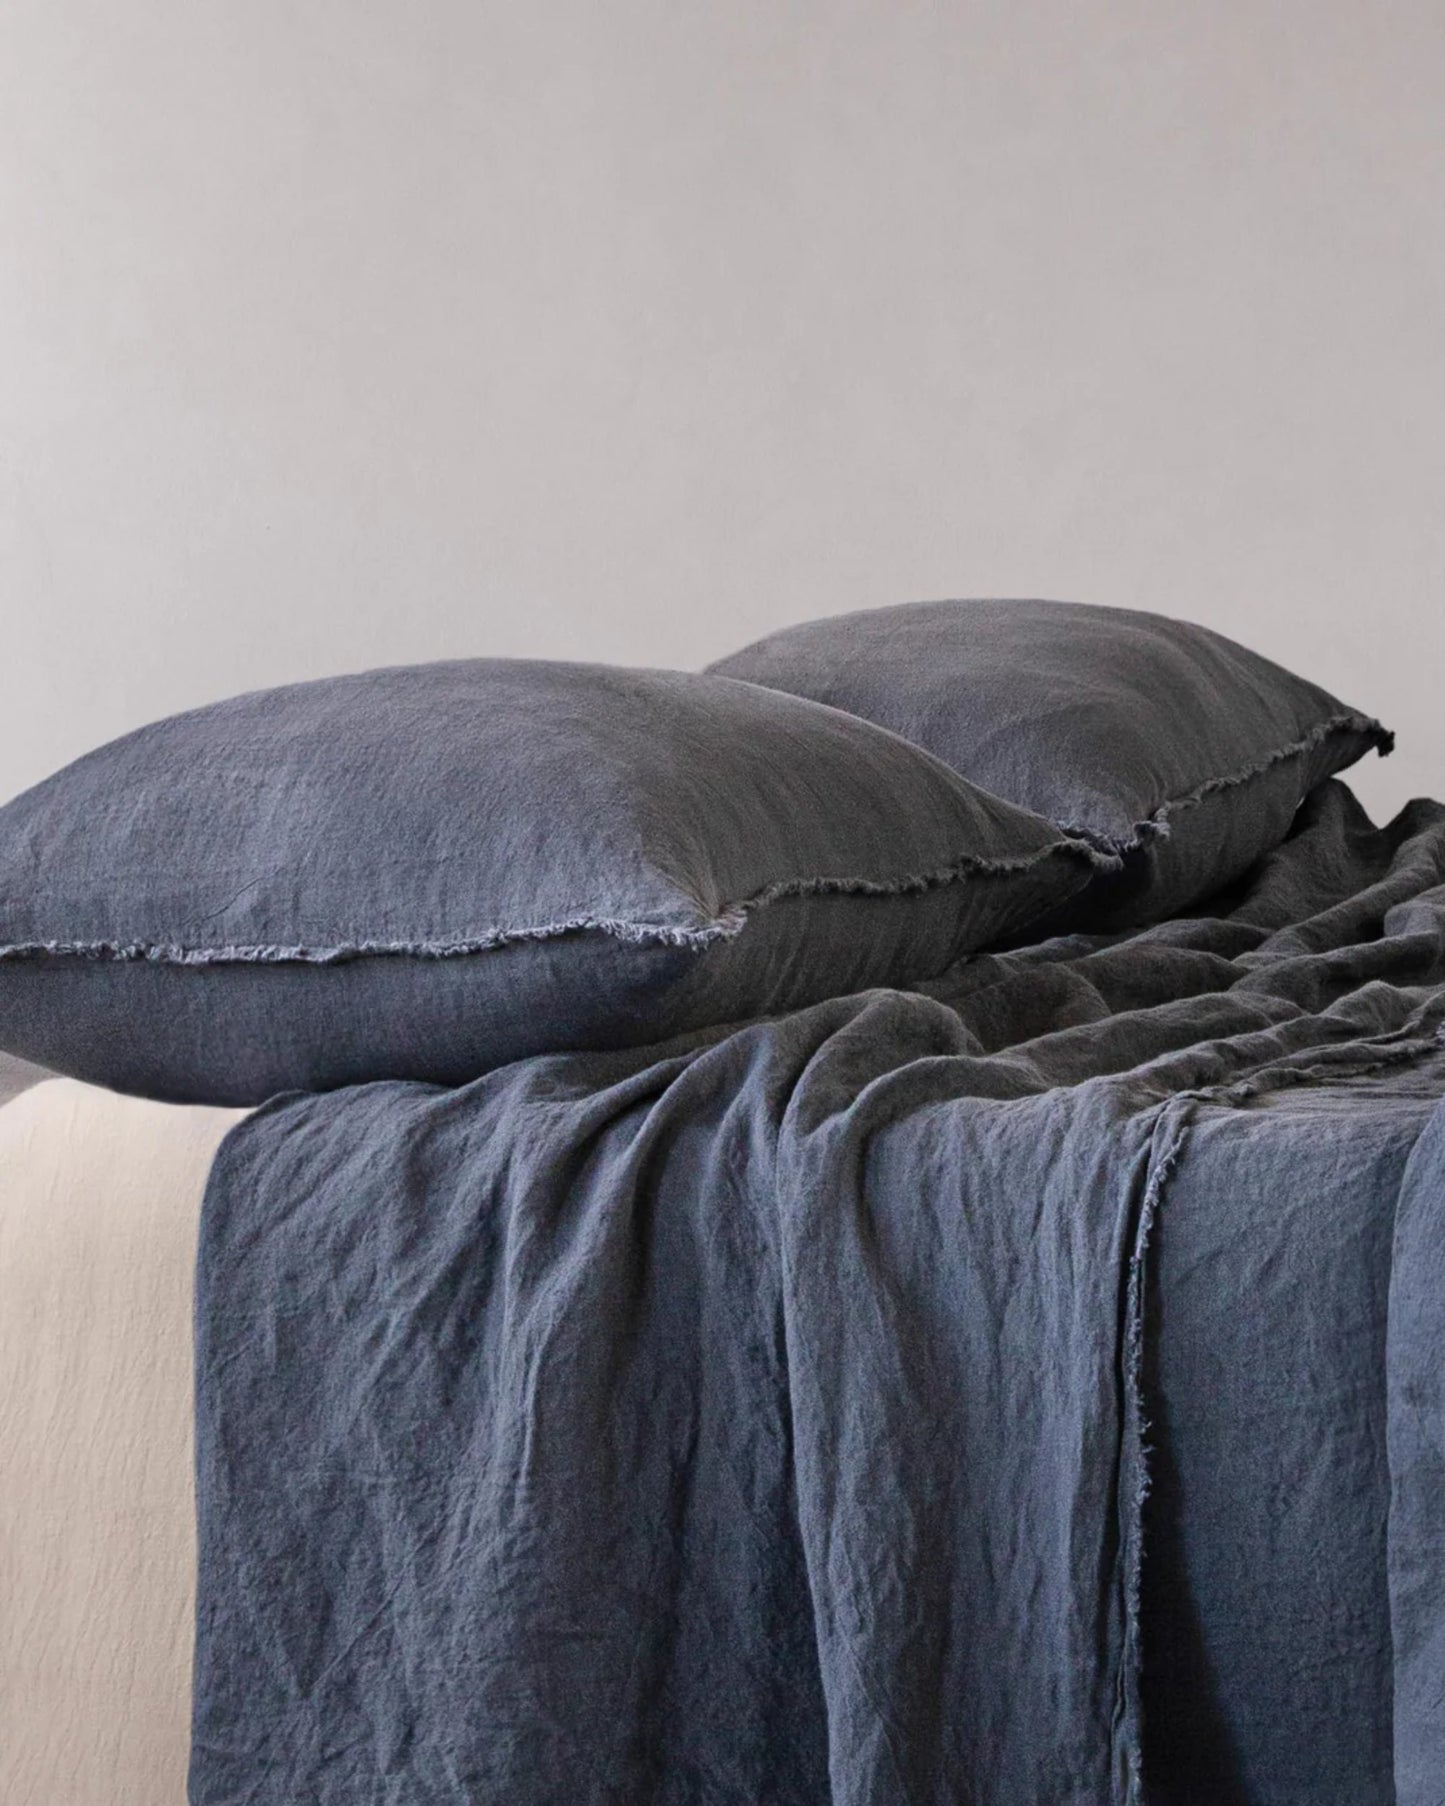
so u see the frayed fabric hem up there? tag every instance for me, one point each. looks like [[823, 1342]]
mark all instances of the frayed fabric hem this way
[[725, 925], [1171, 1135], [1158, 825]]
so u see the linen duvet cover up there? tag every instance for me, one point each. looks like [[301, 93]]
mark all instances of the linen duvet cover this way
[[1026, 1387]]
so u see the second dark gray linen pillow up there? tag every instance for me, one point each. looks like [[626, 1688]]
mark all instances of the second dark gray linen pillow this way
[[1166, 742], [426, 872]]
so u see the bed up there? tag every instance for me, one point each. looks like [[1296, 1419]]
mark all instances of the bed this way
[[1018, 1383], [99, 1202]]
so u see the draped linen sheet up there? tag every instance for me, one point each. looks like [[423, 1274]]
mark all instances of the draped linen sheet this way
[[772, 1416]]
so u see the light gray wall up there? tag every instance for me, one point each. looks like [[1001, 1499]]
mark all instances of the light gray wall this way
[[335, 332]]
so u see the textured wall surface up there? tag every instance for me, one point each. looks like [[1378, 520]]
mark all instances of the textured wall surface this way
[[339, 335]]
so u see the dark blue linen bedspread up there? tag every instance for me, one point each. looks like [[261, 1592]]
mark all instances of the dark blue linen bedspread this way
[[771, 1417]]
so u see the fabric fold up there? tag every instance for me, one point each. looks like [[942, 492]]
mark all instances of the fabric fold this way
[[769, 1416]]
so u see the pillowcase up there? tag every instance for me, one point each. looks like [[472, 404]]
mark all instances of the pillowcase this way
[[1159, 740], [426, 872]]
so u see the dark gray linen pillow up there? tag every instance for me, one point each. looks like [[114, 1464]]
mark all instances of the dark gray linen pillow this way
[[426, 872], [1177, 748]]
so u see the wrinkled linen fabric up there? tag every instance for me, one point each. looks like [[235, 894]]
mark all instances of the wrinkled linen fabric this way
[[1168, 742], [1267, 1626], [424, 872], [770, 1416]]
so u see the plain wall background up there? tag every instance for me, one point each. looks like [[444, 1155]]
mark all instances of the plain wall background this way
[[334, 334]]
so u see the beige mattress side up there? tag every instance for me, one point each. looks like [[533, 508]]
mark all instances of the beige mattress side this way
[[99, 1203]]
